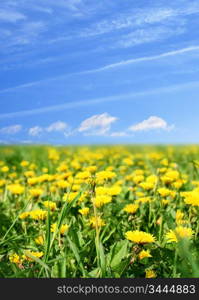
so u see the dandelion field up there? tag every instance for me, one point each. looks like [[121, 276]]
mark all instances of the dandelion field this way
[[99, 211]]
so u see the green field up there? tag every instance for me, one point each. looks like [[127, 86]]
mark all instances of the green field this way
[[99, 211]]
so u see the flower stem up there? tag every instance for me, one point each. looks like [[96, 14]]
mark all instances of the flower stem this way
[[175, 263]]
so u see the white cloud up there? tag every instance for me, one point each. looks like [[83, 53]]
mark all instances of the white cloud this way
[[57, 126], [147, 35], [11, 16], [35, 131], [151, 123], [132, 19], [104, 68], [28, 33], [95, 101], [97, 124], [145, 58], [140, 18], [11, 129], [54, 127]]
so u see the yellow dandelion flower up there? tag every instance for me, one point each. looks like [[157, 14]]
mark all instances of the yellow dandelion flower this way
[[32, 253], [144, 254], [91, 169], [83, 197], [170, 176], [45, 178], [62, 168], [2, 182], [178, 233], [16, 189], [53, 189], [139, 237], [62, 184], [50, 204], [5, 169], [53, 227], [178, 184], [70, 196], [96, 222], [15, 258], [138, 193], [172, 194], [12, 175], [38, 214], [84, 211], [36, 192], [24, 163], [165, 201], [128, 161], [164, 162], [63, 229], [32, 166], [100, 200], [24, 215], [143, 200], [39, 240], [147, 185], [101, 190], [131, 208], [150, 274], [32, 181], [164, 192], [191, 198], [83, 175], [114, 190], [180, 218], [29, 174], [105, 175], [138, 172], [76, 187]]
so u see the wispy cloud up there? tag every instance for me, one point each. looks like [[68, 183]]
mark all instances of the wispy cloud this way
[[145, 58], [152, 123], [100, 125], [58, 126], [95, 101], [129, 20], [106, 67], [27, 34], [147, 35], [97, 124], [35, 131], [11, 16], [140, 18], [11, 129], [35, 83]]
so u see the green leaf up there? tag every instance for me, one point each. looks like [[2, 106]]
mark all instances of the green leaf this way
[[119, 252], [94, 273], [107, 237], [48, 237], [102, 258], [38, 260], [75, 251]]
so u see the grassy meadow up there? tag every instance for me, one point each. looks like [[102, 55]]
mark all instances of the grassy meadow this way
[[99, 211]]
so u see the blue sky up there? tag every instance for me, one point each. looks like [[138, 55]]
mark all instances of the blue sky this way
[[88, 71]]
